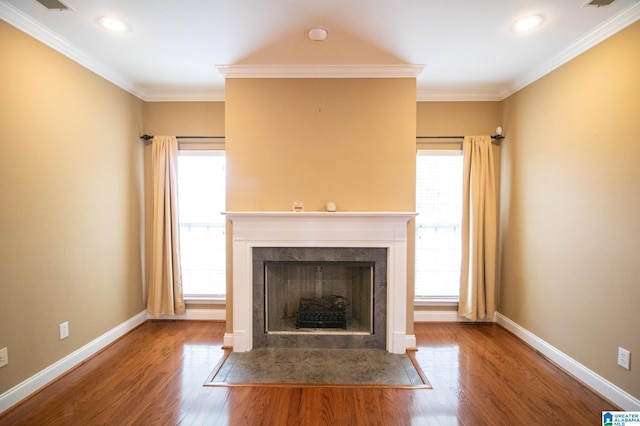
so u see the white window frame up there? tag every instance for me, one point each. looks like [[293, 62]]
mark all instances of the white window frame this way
[[191, 149], [435, 300]]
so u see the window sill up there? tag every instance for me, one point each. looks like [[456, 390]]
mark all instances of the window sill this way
[[436, 301], [205, 300]]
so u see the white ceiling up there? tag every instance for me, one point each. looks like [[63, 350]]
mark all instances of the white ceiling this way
[[175, 50]]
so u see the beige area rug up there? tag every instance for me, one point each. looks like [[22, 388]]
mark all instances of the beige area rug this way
[[317, 367]]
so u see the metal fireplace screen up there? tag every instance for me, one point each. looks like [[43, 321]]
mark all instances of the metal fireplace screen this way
[[327, 312]]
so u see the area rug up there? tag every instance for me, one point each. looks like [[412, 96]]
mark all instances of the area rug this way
[[317, 367]]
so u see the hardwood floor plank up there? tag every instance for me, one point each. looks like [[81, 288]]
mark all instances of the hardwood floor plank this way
[[481, 375]]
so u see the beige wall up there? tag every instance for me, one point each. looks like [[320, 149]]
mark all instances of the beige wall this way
[[351, 141], [70, 205], [570, 203], [432, 118], [458, 118], [184, 118]]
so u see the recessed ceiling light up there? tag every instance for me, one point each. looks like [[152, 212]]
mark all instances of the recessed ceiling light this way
[[113, 24], [528, 23]]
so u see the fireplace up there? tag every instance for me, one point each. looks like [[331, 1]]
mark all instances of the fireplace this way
[[319, 297], [326, 248]]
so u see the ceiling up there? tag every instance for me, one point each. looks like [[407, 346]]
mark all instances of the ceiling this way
[[459, 49]]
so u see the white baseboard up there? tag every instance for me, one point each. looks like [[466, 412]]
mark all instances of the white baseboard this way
[[596, 382], [57, 369], [436, 316], [441, 316], [227, 342], [214, 314], [411, 341]]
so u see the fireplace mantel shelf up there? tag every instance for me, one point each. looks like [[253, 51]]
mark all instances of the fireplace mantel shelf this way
[[308, 214]]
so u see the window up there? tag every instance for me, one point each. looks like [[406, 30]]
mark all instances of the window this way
[[438, 233], [201, 198]]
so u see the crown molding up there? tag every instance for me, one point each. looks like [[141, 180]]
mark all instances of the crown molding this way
[[322, 71], [617, 23], [458, 95], [191, 95], [33, 28]]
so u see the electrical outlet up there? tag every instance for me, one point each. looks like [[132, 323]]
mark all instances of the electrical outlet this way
[[64, 330], [624, 358], [4, 357]]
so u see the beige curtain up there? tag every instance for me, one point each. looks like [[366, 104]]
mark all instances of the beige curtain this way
[[165, 295], [479, 230]]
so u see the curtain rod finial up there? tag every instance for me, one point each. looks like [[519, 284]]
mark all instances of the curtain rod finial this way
[[147, 139]]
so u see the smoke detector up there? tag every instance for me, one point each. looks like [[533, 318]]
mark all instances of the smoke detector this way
[[316, 34]]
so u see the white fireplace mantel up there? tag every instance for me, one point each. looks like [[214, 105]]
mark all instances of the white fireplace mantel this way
[[320, 229]]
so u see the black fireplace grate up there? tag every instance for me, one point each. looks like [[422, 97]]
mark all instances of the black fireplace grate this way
[[326, 312]]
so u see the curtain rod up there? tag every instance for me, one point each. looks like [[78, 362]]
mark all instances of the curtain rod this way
[[496, 139], [147, 138]]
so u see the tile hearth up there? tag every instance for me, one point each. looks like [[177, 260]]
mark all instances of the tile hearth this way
[[318, 366]]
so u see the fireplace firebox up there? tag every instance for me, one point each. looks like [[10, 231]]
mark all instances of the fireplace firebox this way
[[319, 297]]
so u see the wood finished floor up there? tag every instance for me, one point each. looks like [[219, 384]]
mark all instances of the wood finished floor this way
[[481, 375]]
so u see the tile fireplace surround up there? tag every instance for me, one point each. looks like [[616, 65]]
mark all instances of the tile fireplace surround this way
[[319, 229]]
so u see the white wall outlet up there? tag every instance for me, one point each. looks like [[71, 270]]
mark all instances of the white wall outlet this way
[[624, 358], [64, 330], [4, 357]]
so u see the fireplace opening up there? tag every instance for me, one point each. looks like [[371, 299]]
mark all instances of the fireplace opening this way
[[320, 297]]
